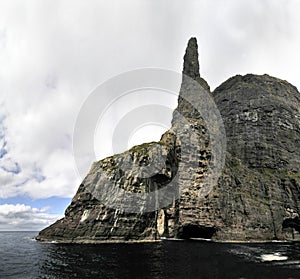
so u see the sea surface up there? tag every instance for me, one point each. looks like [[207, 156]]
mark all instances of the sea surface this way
[[23, 257]]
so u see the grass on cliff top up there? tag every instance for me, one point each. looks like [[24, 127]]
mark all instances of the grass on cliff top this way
[[144, 147], [141, 147], [294, 175], [252, 80]]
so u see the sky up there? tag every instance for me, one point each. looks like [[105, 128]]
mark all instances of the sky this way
[[54, 53]]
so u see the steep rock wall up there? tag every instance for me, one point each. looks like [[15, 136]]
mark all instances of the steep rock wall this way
[[256, 198]]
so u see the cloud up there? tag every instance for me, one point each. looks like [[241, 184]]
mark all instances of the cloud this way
[[240, 37], [24, 217], [26, 171]]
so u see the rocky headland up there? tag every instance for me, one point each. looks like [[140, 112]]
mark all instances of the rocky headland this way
[[256, 197]]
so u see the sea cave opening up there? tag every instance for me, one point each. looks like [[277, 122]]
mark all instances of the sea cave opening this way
[[196, 231], [293, 223]]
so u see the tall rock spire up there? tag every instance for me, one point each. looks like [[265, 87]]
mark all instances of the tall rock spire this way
[[191, 79], [191, 64]]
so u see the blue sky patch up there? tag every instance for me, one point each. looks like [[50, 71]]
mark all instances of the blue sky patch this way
[[57, 205]]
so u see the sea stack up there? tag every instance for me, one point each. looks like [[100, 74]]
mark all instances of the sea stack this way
[[256, 197]]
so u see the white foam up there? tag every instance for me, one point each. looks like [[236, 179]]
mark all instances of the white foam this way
[[201, 239], [273, 257]]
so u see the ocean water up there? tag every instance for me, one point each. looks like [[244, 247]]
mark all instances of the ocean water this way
[[23, 257]]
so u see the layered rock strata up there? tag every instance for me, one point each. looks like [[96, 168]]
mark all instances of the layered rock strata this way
[[257, 196]]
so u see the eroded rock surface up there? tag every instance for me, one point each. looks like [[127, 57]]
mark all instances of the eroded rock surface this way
[[256, 198]]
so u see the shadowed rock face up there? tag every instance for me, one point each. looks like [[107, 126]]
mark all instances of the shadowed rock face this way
[[261, 115], [262, 121], [257, 196]]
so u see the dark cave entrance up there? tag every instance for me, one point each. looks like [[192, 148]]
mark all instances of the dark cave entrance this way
[[293, 223], [196, 231]]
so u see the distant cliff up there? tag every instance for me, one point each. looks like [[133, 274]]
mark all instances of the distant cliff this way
[[257, 196]]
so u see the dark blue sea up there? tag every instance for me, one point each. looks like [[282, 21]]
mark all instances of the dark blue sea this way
[[23, 257]]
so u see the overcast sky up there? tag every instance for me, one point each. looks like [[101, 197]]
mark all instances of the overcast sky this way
[[53, 53]]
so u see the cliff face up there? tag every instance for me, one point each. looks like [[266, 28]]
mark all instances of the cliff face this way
[[257, 195], [261, 116]]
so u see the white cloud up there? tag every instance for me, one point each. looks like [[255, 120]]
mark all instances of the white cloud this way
[[257, 36], [24, 217]]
